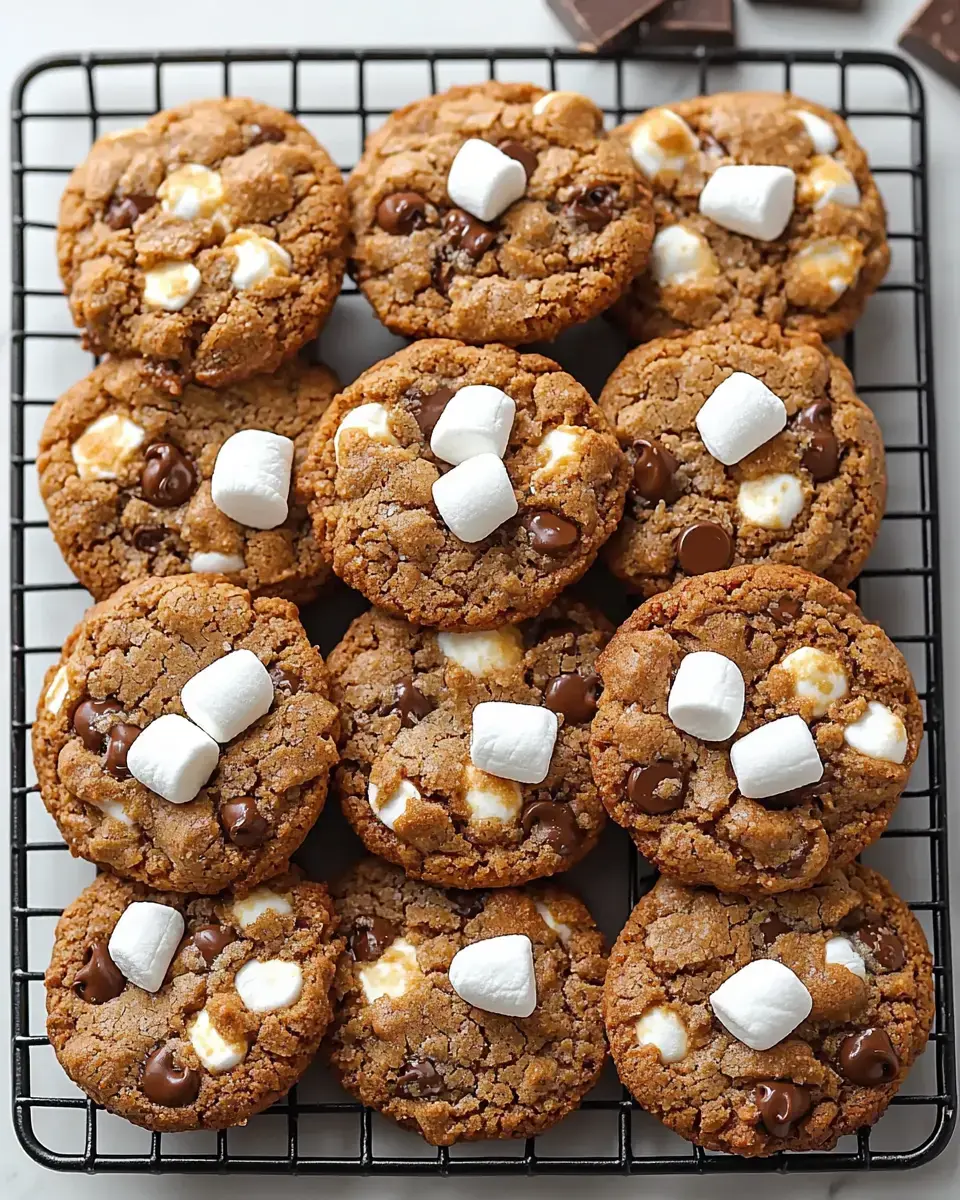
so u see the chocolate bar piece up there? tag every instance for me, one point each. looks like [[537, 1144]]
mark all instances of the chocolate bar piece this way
[[933, 36], [600, 24], [837, 5], [689, 23]]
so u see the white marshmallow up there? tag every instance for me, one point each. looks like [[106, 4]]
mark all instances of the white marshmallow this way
[[817, 676], [497, 975], [213, 1050], [707, 696], [372, 418], [738, 417], [560, 928], [144, 941], [679, 255], [762, 1003], [229, 695], [830, 262], [395, 805], [484, 181], [173, 758], [477, 420], [57, 691], [662, 143], [113, 808], [827, 181], [879, 733], [559, 445], [483, 652], [170, 285], [212, 562], [248, 911], [840, 950], [490, 798], [514, 741], [392, 974], [771, 502], [191, 191], [661, 1027], [755, 201], [475, 498], [251, 478], [256, 258], [776, 758], [267, 986], [820, 132], [105, 445]]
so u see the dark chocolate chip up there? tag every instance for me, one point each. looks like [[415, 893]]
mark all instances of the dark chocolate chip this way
[[868, 1058], [526, 157], [264, 133], [284, 680], [818, 415], [594, 207], [119, 740], [410, 703], [245, 825], [124, 210], [704, 547], [653, 472], [468, 234], [86, 719], [785, 610], [168, 478], [428, 406], [782, 1106], [99, 979], [166, 1084], [370, 937], [210, 940], [467, 903], [419, 1077], [148, 538], [821, 457], [771, 928], [574, 696], [550, 533], [553, 824], [884, 945], [402, 213], [852, 921], [659, 788]]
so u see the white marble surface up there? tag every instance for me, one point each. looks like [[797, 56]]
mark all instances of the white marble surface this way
[[46, 26]]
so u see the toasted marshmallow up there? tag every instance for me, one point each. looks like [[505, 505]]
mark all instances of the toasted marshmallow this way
[[490, 798], [820, 132], [372, 418], [392, 974], [57, 691], [771, 502], [484, 652], [170, 285], [661, 1027], [395, 805], [681, 256], [191, 191], [827, 181], [105, 445], [879, 733], [662, 143], [817, 676]]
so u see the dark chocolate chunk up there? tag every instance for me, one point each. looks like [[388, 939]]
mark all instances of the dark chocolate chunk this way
[[428, 406], [771, 928], [933, 36], [659, 788], [410, 703], [785, 610], [166, 1084], [148, 538], [370, 937], [264, 133], [690, 23], [574, 696], [210, 940], [419, 1077], [552, 823], [883, 944], [466, 903], [600, 24], [526, 157], [124, 210]]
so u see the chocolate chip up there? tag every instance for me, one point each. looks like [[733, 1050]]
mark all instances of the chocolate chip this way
[[526, 157], [542, 628], [418, 1078], [166, 1084], [818, 415], [210, 940], [550, 533], [553, 824], [119, 740], [782, 1106], [468, 234], [884, 945], [85, 721], [466, 903], [148, 537], [822, 456], [852, 921], [594, 207], [370, 937], [791, 799], [99, 979], [402, 213], [410, 703], [428, 406], [704, 547], [785, 610], [168, 478], [653, 472], [771, 928], [659, 788], [868, 1058], [264, 133], [244, 824], [124, 210], [574, 696], [284, 680]]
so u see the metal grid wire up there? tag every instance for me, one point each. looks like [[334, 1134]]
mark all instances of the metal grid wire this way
[[348, 82]]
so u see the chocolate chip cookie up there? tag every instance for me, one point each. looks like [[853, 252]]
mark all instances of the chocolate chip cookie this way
[[808, 692], [855, 948], [256, 793], [508, 244], [125, 471], [406, 1042], [537, 483], [813, 269], [233, 1024], [211, 241], [407, 780], [810, 496]]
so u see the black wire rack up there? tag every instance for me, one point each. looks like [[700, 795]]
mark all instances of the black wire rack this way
[[339, 94]]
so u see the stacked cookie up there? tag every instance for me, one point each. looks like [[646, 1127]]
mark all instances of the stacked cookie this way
[[747, 725]]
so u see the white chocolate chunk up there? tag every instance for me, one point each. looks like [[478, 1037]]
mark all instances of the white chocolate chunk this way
[[248, 910], [514, 741], [484, 652], [771, 502], [170, 285], [213, 1050], [879, 733], [762, 1003], [560, 928], [775, 758], [559, 445], [372, 418], [214, 563], [738, 417], [490, 798], [144, 941], [268, 986], [251, 478], [191, 191], [394, 807], [755, 201], [820, 132], [827, 181], [57, 691], [475, 498], [484, 181], [680, 256], [392, 974], [840, 950], [832, 263], [497, 975], [173, 758], [257, 258], [105, 445], [817, 676], [661, 1027], [662, 143], [227, 697], [707, 696], [476, 420]]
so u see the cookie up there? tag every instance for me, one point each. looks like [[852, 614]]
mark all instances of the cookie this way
[[753, 730], [125, 470], [811, 260], [408, 781], [222, 799], [850, 944], [810, 495], [496, 213], [211, 241], [412, 1038], [239, 998], [464, 486]]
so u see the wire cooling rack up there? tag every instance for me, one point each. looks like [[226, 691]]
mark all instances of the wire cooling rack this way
[[59, 106]]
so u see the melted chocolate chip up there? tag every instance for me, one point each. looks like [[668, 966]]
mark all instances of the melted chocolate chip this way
[[574, 696], [99, 979], [370, 937], [852, 921], [284, 680], [119, 740], [816, 416], [419, 1077], [653, 472], [85, 721], [168, 478], [552, 823], [771, 928], [822, 456], [166, 1084], [124, 210], [782, 1106], [526, 157], [264, 133], [210, 940], [148, 537], [468, 234], [428, 406], [550, 533], [868, 1058], [402, 213], [659, 788], [704, 547], [785, 610], [244, 824], [466, 903], [592, 206], [410, 703], [884, 945]]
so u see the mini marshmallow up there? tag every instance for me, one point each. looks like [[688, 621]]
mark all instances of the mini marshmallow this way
[[113, 808], [707, 696], [105, 445], [879, 733], [191, 191], [514, 741], [395, 805], [392, 973], [776, 758], [475, 498], [144, 942], [830, 262], [57, 691], [477, 420], [560, 928], [662, 143], [559, 445], [490, 798], [248, 911], [251, 478], [256, 258], [212, 562], [738, 417], [483, 652], [229, 695], [755, 201], [661, 1027], [484, 181], [680, 255], [840, 950], [820, 132], [817, 676], [827, 181], [771, 502], [372, 418], [173, 758], [213, 1050], [267, 986], [762, 1003], [170, 285], [497, 975]]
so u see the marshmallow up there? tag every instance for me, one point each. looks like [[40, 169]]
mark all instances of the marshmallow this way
[[840, 950], [832, 263], [257, 258], [662, 143], [820, 132], [560, 928], [817, 676], [251, 478], [248, 911], [514, 741], [707, 696], [680, 255], [755, 201], [57, 691], [214, 563], [170, 285], [484, 652], [213, 1050], [497, 975], [827, 181], [191, 191], [144, 941], [372, 418], [475, 498], [484, 181], [105, 445], [113, 808], [229, 695], [879, 733], [771, 502], [661, 1027], [392, 974], [776, 758], [738, 417], [477, 420], [762, 1003], [489, 798], [173, 758], [559, 445], [395, 805], [267, 986]]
